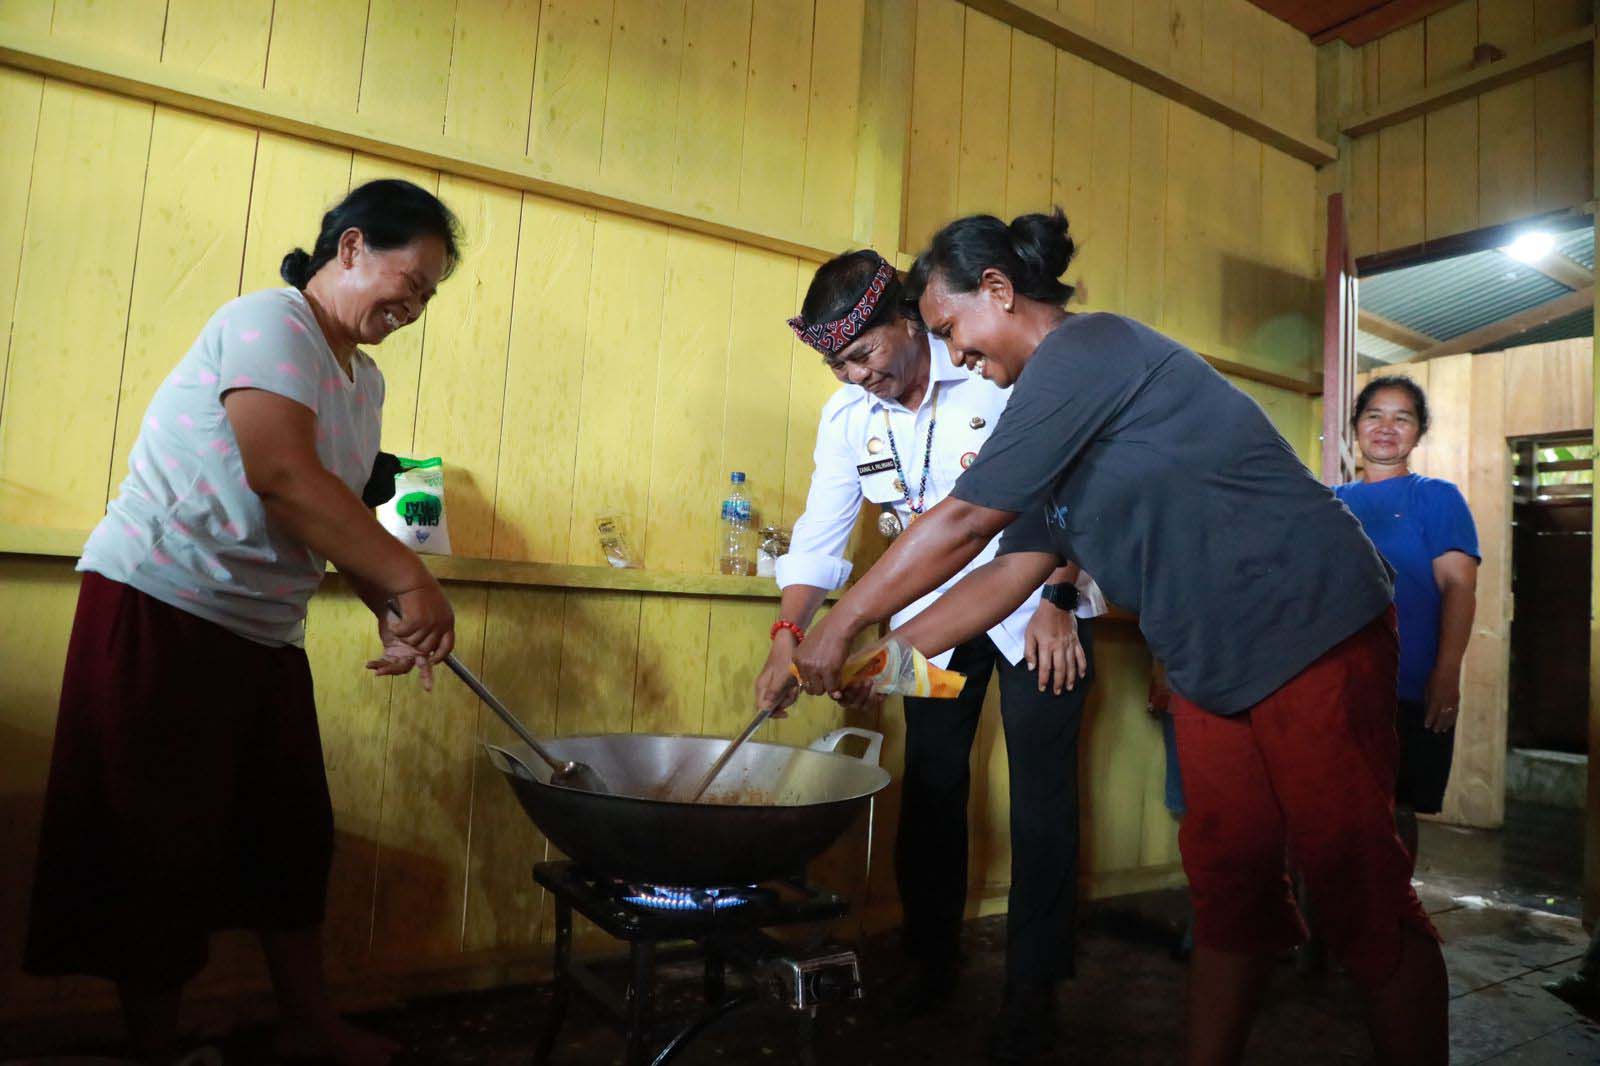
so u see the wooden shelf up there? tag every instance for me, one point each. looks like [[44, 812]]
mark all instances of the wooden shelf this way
[[68, 544]]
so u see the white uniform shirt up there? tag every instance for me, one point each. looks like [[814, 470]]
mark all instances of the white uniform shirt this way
[[849, 471]]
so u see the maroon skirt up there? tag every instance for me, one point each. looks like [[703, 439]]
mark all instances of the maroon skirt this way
[[187, 794]]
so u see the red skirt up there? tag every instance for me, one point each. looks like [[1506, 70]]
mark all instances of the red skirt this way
[[187, 794]]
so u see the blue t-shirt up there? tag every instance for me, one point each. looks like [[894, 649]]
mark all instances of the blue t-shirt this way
[[1413, 520]]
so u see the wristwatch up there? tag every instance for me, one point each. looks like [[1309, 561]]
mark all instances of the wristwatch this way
[[1064, 595]]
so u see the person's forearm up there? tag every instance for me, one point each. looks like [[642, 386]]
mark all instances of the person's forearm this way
[[374, 597], [317, 509], [1063, 575], [799, 604], [977, 603], [925, 556], [1459, 605]]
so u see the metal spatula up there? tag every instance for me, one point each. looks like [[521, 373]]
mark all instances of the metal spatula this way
[[563, 772]]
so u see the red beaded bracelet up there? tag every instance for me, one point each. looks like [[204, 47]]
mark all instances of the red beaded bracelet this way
[[784, 623]]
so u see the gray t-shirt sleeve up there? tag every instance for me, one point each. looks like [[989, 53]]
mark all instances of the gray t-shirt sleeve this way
[[1080, 377], [1029, 533]]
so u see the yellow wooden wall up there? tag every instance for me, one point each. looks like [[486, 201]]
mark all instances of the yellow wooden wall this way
[[1476, 404], [1518, 150], [583, 360]]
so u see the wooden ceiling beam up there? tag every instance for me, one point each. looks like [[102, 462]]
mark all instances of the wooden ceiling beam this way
[[1485, 337], [1569, 272], [1394, 332], [1564, 48], [1378, 19]]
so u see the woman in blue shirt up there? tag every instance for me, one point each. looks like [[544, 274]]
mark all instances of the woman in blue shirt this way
[[1423, 528]]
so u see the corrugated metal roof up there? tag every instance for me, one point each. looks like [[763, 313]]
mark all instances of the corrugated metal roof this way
[[1451, 297], [1455, 296]]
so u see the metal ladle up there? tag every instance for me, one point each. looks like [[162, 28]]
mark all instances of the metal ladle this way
[[564, 773]]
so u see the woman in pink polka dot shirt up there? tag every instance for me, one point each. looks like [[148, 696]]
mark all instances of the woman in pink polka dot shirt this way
[[187, 790]]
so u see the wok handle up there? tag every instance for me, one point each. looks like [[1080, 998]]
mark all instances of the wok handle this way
[[874, 739]]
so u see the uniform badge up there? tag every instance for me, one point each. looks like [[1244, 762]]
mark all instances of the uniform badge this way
[[977, 422], [968, 459], [900, 486], [889, 524], [874, 445]]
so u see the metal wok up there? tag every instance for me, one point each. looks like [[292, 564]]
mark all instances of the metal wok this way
[[771, 810]]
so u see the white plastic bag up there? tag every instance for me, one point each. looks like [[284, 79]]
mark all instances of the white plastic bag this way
[[416, 513]]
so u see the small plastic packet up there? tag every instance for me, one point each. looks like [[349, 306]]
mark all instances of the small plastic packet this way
[[898, 669], [415, 514]]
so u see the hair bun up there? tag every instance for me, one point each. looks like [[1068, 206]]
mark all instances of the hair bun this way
[[1043, 243], [296, 268]]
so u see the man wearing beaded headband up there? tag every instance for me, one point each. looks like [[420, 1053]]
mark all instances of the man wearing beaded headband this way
[[898, 434]]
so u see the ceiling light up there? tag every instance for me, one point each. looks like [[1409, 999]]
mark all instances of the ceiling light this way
[[1530, 247]]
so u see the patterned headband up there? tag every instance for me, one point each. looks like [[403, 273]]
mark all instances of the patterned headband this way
[[830, 337]]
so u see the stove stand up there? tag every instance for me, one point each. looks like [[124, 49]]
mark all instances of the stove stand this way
[[719, 932]]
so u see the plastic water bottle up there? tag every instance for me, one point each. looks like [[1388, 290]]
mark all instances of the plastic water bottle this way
[[735, 538]]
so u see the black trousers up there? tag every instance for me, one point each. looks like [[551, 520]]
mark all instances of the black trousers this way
[[1041, 732]]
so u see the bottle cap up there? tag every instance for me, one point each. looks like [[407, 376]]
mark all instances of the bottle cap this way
[[738, 477]]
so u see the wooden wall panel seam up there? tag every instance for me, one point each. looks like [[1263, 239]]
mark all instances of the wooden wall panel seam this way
[[10, 298]]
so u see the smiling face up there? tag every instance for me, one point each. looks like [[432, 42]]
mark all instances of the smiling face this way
[[888, 361], [1388, 427], [978, 326], [377, 291]]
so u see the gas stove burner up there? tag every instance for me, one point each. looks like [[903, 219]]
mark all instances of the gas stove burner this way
[[675, 898]]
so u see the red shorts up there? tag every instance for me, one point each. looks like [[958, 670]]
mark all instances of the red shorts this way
[[187, 794], [1306, 775]]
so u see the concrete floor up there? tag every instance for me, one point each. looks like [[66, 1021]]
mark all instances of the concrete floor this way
[[1126, 1004]]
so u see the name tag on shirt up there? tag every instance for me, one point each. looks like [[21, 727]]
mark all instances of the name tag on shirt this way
[[876, 466]]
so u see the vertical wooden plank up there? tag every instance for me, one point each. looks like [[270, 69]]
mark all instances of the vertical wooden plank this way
[[690, 397], [1244, 282], [669, 680], [80, 236], [986, 74], [636, 145], [760, 355], [736, 647], [931, 174], [616, 408], [227, 41], [1451, 151], [830, 140], [419, 899], [42, 595], [405, 70], [1145, 297], [294, 183], [1563, 119], [534, 516], [599, 653], [353, 716], [20, 96], [1028, 153], [1152, 31], [1289, 68], [400, 355], [191, 240], [466, 346], [772, 170], [1524, 393], [884, 124], [316, 51], [1187, 34], [129, 28], [490, 95], [569, 88], [1115, 726], [1552, 17], [1362, 203], [710, 134], [1289, 334], [30, 15], [1507, 181], [808, 391], [1401, 188], [521, 661], [1485, 671], [1216, 46], [1072, 151], [1104, 270]]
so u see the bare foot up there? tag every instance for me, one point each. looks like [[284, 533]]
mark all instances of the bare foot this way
[[345, 1044]]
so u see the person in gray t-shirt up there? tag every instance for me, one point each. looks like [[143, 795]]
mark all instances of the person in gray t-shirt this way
[[1125, 452]]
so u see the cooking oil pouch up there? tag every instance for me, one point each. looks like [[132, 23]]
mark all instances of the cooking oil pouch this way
[[898, 669], [415, 515]]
